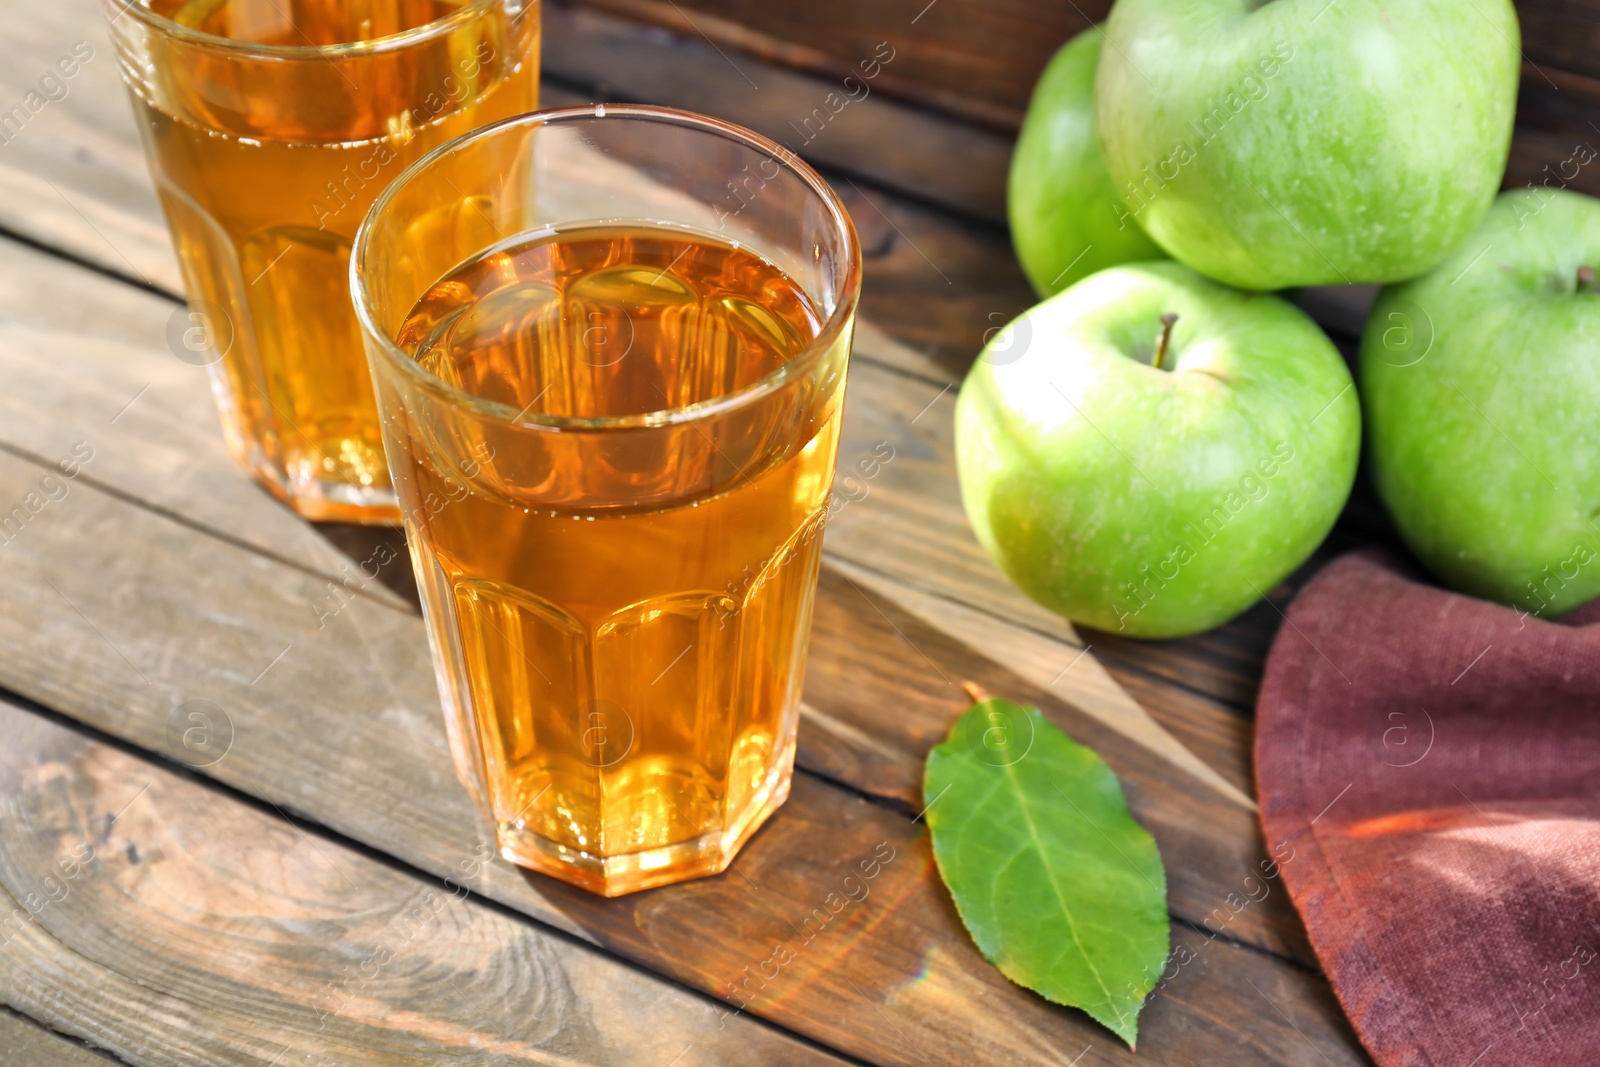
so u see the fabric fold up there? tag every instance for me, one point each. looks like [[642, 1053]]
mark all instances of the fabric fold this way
[[1433, 762]]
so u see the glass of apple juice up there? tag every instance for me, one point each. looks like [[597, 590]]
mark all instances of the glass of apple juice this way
[[270, 126], [609, 345]]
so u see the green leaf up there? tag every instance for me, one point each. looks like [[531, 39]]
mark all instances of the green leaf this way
[[1057, 884]]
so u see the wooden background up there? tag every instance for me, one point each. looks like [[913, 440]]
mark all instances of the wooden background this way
[[287, 892], [977, 60]]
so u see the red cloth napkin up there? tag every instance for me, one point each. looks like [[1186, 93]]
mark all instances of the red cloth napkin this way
[[1433, 761]]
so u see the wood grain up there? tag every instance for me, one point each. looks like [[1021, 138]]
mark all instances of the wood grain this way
[[28, 1044], [109, 379], [73, 175], [1561, 34], [910, 525], [155, 917], [162, 577], [1556, 141], [869, 655], [989, 53], [862, 542], [970, 268], [341, 724], [828, 121], [979, 61], [934, 287], [910, 528], [1071, 673], [757, 33]]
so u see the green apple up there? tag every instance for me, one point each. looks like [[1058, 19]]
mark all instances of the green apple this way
[[1277, 143], [1481, 382], [1066, 218], [1151, 479]]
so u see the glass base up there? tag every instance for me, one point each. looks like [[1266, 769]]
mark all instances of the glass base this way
[[325, 501], [615, 876]]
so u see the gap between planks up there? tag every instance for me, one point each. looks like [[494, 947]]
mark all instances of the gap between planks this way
[[226, 477], [421, 824], [1030, 636], [30, 1043], [80, 760], [100, 98]]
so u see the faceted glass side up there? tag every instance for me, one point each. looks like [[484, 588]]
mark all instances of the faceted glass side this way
[[647, 748]]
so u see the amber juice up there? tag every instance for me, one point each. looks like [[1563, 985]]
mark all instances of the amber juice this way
[[268, 141], [632, 651]]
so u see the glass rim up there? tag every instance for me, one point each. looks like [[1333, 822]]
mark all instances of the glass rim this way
[[827, 335], [390, 42]]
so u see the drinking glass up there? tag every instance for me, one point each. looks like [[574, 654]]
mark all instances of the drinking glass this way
[[609, 346], [269, 127]]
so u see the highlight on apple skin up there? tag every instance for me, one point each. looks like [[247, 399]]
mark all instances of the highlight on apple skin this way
[[1481, 383], [1150, 452], [1288, 143]]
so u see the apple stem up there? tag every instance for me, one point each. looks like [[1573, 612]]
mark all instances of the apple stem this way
[[975, 692], [1586, 279], [1167, 321]]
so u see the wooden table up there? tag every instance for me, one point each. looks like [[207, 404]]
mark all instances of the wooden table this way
[[304, 882]]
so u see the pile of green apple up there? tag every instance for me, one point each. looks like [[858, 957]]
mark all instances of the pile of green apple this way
[[1161, 441]]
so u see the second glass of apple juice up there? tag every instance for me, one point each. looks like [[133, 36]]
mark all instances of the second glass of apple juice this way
[[270, 126], [609, 346]]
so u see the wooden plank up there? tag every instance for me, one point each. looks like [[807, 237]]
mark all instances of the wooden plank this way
[[73, 175], [235, 681], [1210, 821], [913, 244], [912, 744], [111, 387], [75, 179], [911, 525], [912, 309], [1217, 757], [883, 688], [774, 34], [343, 727], [1556, 143], [828, 121], [938, 286], [977, 58], [28, 1044], [84, 395], [935, 286], [900, 270], [979, 61], [1561, 34], [158, 918], [906, 248]]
